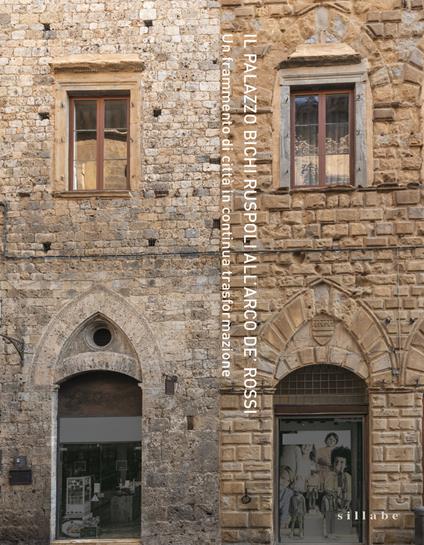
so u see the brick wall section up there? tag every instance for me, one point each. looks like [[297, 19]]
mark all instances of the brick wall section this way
[[177, 185]]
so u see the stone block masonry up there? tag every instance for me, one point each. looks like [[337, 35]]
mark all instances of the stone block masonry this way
[[353, 254]]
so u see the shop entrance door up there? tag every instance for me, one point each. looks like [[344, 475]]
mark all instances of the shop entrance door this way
[[100, 490], [321, 480], [99, 457], [320, 489]]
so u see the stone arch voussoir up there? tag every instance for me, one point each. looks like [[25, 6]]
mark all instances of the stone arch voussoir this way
[[44, 369], [355, 33], [413, 364], [97, 361], [365, 350]]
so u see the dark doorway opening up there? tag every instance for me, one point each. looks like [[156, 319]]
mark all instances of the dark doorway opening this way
[[99, 457]]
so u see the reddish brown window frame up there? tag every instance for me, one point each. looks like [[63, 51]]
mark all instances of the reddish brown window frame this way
[[100, 105], [322, 93]]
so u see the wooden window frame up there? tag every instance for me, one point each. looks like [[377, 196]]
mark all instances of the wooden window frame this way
[[100, 115], [322, 93], [327, 76], [96, 75]]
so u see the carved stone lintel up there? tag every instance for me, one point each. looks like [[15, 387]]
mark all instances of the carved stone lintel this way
[[322, 54], [97, 63]]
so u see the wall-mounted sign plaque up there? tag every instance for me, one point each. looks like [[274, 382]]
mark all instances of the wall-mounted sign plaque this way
[[20, 476]]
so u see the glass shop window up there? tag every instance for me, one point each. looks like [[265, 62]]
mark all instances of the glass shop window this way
[[99, 143], [322, 138], [99, 469], [321, 412]]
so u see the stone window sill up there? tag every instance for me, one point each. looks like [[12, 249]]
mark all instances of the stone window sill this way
[[118, 194], [325, 188]]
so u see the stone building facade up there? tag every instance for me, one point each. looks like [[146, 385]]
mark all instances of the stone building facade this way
[[339, 274], [136, 264], [339, 271]]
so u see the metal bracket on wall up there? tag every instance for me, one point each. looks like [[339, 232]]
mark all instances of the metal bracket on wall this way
[[19, 345]]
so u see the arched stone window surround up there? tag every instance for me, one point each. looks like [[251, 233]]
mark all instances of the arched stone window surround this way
[[413, 363], [374, 81]]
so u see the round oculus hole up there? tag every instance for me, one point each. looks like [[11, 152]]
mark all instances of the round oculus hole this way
[[102, 336]]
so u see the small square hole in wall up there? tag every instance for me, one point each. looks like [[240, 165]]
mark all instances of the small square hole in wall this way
[[170, 382], [46, 27], [216, 223], [190, 422], [152, 242]]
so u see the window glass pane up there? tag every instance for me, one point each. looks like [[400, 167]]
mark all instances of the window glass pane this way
[[99, 457], [116, 114], [85, 115], [320, 480], [115, 174], [115, 145], [85, 145], [306, 140], [100, 490], [337, 141]]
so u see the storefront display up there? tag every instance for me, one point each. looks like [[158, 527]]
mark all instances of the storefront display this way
[[99, 457], [106, 502], [320, 479]]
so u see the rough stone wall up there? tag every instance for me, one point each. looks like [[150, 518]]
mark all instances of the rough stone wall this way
[[179, 146], [171, 337], [356, 254], [163, 296]]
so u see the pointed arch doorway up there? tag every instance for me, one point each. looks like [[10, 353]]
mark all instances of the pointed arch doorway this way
[[99, 456], [321, 427]]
